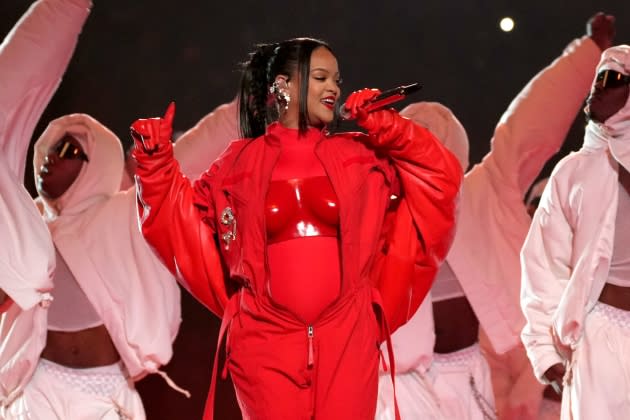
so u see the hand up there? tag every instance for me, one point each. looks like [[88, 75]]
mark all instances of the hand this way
[[150, 132], [555, 376], [356, 102], [601, 28]]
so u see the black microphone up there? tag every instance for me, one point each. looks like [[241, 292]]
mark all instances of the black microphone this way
[[385, 98]]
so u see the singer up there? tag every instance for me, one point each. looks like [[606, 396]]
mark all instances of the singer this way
[[306, 244]]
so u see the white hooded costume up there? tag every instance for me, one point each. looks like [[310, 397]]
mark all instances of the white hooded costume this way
[[492, 226], [33, 58], [95, 230], [566, 261]]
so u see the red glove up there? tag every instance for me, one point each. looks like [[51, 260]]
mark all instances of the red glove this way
[[151, 132], [355, 105]]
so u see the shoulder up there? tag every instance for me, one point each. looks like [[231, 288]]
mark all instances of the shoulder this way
[[577, 163]]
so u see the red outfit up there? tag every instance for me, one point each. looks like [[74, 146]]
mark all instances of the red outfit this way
[[281, 366]]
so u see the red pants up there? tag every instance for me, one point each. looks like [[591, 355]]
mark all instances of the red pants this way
[[268, 358]]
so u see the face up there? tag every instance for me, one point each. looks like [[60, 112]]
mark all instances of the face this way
[[61, 167], [608, 95], [323, 91]]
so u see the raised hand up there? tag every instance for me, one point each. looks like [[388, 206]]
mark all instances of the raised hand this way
[[356, 103], [151, 132], [601, 28]]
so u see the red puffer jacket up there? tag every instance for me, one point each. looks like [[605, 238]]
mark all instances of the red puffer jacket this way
[[280, 366]]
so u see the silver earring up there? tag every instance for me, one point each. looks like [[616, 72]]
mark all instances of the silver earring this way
[[282, 96]]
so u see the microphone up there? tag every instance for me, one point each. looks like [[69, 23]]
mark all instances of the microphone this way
[[385, 98]]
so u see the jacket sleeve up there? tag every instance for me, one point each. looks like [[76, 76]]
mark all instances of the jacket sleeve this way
[[177, 221], [203, 143], [423, 225], [536, 123], [546, 269], [33, 58]]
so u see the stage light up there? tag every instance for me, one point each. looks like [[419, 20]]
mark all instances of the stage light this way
[[506, 24]]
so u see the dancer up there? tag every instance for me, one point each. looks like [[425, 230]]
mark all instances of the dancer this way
[[441, 370], [116, 309], [33, 58], [575, 261]]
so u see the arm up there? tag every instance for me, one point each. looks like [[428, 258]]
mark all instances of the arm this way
[[422, 226], [197, 148], [546, 270], [177, 220], [537, 121], [33, 58]]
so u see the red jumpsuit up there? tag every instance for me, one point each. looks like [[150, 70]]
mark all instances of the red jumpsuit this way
[[282, 365]]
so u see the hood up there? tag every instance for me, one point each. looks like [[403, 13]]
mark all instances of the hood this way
[[615, 132], [443, 124], [98, 179]]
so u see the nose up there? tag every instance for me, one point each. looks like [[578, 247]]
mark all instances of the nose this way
[[333, 88]]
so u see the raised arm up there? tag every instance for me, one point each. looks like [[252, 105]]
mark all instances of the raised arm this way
[[33, 58], [537, 121], [430, 177], [177, 220]]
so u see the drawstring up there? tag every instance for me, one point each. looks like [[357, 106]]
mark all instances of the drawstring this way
[[429, 387], [172, 383], [120, 410]]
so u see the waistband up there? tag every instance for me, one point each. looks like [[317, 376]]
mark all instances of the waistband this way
[[618, 317], [103, 381], [461, 357]]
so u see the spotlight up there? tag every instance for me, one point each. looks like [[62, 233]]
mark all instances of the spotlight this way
[[506, 24]]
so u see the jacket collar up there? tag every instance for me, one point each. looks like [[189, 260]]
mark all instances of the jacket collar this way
[[277, 134]]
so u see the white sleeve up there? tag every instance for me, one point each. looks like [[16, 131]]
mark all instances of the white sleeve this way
[[546, 270], [33, 58], [197, 148], [537, 121]]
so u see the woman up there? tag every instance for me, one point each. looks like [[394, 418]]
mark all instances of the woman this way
[[104, 327], [298, 215]]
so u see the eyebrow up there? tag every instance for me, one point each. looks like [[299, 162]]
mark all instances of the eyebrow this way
[[323, 69]]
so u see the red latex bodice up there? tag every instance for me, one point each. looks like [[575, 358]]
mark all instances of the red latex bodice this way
[[297, 208], [302, 222]]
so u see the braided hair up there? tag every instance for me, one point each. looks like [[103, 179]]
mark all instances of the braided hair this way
[[256, 106]]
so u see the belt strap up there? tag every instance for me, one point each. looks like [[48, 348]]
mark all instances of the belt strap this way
[[230, 311], [377, 300]]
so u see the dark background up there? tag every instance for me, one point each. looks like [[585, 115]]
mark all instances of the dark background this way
[[135, 56]]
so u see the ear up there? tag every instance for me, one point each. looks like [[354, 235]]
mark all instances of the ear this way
[[282, 82]]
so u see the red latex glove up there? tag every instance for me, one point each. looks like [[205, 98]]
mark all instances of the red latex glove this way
[[355, 105], [151, 132]]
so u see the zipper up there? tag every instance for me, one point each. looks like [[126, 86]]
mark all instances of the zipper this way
[[310, 333]]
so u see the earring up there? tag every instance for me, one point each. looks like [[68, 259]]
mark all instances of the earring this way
[[282, 96]]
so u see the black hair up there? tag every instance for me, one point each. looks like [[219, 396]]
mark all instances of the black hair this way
[[290, 57]]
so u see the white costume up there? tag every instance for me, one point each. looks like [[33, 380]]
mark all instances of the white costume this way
[[566, 261], [492, 225], [95, 231], [33, 58]]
